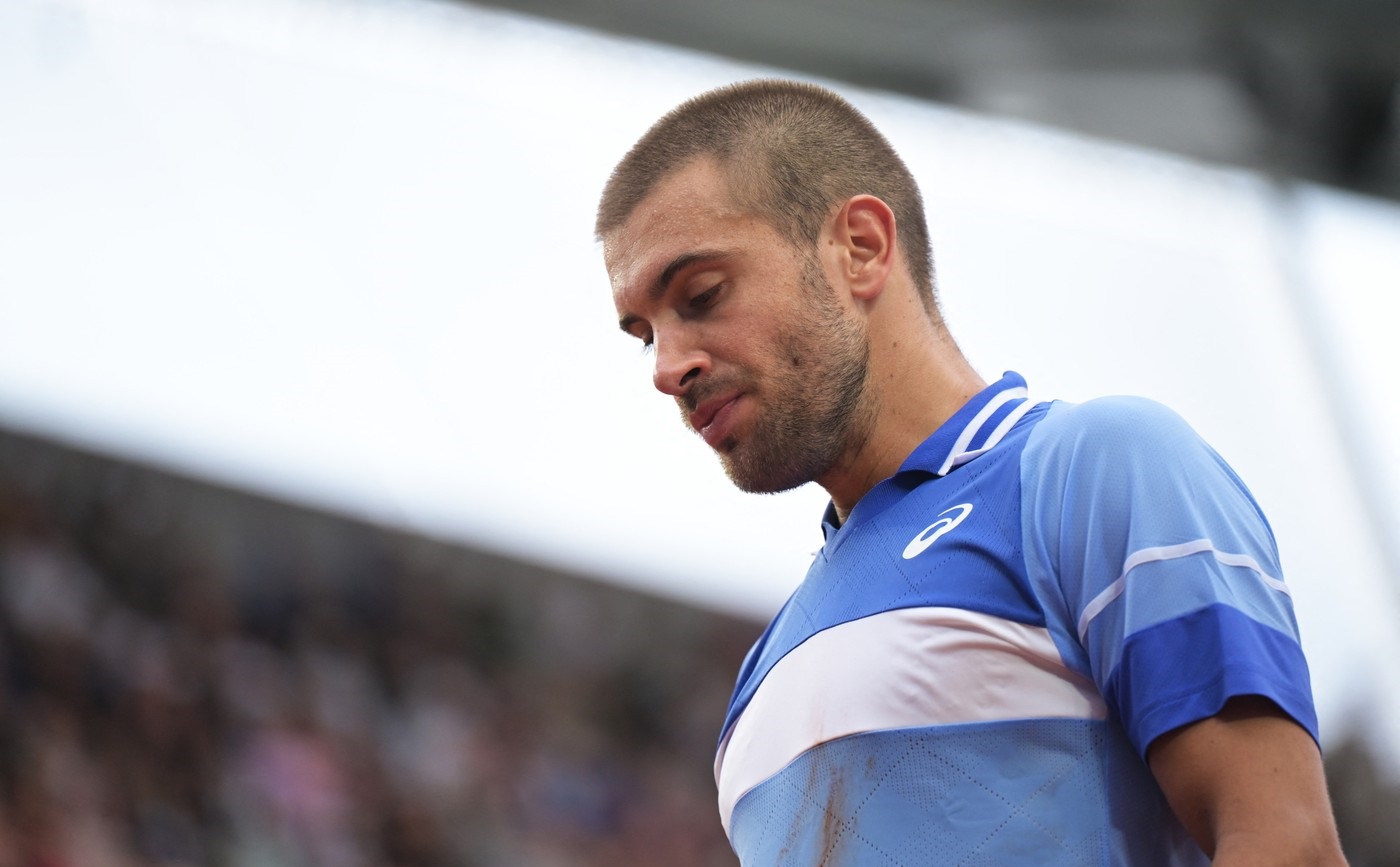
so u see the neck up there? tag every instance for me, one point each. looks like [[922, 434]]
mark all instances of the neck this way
[[916, 382]]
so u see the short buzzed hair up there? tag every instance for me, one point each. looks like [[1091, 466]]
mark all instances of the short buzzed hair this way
[[791, 151]]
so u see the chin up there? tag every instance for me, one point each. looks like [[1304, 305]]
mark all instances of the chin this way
[[762, 480]]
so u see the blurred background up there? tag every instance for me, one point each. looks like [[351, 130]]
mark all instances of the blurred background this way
[[340, 526]]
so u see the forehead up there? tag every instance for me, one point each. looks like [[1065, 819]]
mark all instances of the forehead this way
[[688, 211]]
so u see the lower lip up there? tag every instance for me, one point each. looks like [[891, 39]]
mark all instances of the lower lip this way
[[717, 430]]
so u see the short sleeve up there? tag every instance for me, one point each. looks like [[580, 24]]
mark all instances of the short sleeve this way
[[1157, 567]]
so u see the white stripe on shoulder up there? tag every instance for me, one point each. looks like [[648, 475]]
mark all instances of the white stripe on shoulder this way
[[969, 432], [906, 668], [1169, 552]]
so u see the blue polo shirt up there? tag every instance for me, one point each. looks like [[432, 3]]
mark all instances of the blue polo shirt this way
[[979, 657]]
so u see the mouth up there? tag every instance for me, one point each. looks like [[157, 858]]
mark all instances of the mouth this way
[[714, 418]]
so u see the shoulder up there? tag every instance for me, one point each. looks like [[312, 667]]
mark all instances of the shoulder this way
[[1120, 420], [1117, 435], [1132, 468]]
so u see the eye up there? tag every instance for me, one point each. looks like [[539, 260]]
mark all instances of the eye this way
[[706, 298]]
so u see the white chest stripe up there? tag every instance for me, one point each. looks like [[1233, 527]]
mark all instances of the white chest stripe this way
[[906, 668], [1169, 552]]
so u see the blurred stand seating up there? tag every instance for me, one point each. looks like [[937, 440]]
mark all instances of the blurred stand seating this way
[[198, 676]]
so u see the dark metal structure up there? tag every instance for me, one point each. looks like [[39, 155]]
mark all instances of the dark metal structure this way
[[1296, 88]]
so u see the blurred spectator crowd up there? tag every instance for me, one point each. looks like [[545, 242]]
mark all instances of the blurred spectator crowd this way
[[191, 675], [196, 676]]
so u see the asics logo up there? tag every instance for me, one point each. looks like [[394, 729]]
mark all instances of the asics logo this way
[[919, 544]]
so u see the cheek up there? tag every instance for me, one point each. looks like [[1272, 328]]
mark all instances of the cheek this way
[[797, 349]]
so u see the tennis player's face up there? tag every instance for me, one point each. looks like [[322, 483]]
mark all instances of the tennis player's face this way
[[749, 337]]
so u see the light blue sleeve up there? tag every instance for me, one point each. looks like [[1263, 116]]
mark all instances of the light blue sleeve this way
[[1157, 569]]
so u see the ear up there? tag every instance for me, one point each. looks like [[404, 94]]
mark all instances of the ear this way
[[863, 232]]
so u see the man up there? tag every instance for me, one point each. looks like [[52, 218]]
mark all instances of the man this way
[[1036, 633]]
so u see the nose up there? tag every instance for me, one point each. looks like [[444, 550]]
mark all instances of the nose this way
[[677, 367]]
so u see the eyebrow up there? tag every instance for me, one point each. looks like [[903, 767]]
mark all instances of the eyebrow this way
[[658, 288]]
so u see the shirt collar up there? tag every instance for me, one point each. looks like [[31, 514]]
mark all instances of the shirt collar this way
[[974, 429]]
